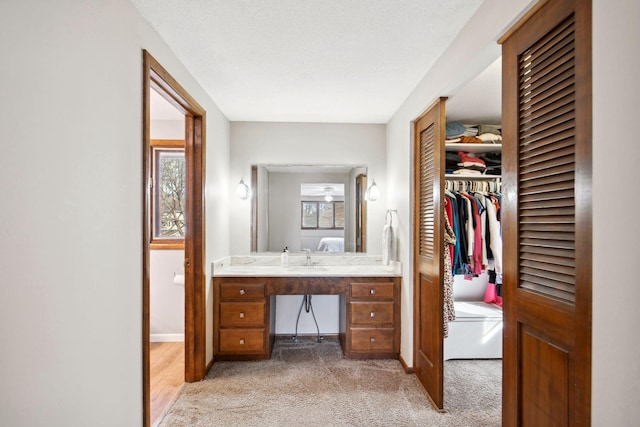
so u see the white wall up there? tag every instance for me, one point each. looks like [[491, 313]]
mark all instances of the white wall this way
[[166, 299], [616, 229], [325, 307], [70, 245], [308, 144], [167, 129]]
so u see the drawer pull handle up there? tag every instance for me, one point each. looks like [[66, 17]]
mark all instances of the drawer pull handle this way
[[373, 339], [241, 315], [373, 314], [241, 341], [242, 292], [372, 291]]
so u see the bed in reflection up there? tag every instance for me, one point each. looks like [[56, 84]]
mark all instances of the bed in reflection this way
[[331, 244]]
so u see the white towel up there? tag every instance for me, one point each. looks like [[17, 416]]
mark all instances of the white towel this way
[[388, 244]]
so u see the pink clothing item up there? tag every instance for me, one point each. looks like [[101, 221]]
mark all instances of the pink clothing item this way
[[475, 259], [465, 158], [449, 211]]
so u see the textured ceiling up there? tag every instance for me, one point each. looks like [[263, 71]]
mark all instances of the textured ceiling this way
[[308, 61]]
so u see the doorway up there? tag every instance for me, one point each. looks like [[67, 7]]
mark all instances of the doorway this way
[[166, 293], [472, 346], [156, 78]]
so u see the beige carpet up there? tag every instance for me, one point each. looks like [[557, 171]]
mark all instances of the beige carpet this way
[[310, 384]]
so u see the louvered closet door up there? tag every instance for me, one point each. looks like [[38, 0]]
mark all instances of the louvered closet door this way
[[547, 218], [428, 262]]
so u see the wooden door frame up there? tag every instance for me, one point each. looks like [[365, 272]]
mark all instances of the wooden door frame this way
[[254, 208], [361, 213], [155, 76]]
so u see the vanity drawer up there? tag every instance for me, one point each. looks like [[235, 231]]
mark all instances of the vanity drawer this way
[[242, 291], [372, 313], [372, 290], [372, 340], [241, 314], [241, 341]]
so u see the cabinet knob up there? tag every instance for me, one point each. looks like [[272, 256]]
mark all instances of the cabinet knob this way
[[242, 292], [372, 291], [241, 315], [241, 341], [373, 314], [372, 339]]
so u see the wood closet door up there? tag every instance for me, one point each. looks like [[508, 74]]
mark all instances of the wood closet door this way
[[547, 218], [428, 262]]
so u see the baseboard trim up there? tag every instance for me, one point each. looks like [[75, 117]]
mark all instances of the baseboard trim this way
[[209, 366], [407, 369], [167, 338]]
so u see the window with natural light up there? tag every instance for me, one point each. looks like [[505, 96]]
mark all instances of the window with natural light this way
[[322, 215], [169, 195]]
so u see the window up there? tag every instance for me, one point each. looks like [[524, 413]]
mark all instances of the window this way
[[322, 215], [169, 194]]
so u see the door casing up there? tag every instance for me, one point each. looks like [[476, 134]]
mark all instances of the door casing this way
[[154, 75]]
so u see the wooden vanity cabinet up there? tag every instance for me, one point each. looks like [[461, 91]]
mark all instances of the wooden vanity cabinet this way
[[370, 317], [243, 316]]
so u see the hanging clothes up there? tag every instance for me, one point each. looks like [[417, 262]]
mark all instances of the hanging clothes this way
[[449, 209], [461, 259], [473, 210], [474, 230], [449, 311]]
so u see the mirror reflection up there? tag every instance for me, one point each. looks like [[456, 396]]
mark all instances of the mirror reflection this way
[[321, 208]]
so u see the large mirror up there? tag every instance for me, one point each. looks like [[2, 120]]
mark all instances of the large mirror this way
[[321, 208]]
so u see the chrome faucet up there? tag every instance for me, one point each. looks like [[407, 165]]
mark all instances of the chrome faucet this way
[[308, 263]]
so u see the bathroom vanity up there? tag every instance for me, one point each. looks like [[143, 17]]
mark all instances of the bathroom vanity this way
[[244, 291]]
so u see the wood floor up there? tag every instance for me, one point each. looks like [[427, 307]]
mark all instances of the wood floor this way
[[167, 377]]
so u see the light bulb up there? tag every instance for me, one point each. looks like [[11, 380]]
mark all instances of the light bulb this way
[[328, 194]]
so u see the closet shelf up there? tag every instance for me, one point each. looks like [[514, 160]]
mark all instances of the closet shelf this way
[[472, 148], [459, 177]]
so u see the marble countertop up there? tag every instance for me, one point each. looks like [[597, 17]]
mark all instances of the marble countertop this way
[[321, 266]]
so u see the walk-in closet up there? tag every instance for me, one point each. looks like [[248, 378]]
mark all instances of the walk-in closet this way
[[459, 243], [543, 206]]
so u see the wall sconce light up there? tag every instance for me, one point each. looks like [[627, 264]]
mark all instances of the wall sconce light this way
[[328, 194], [243, 191], [373, 192]]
